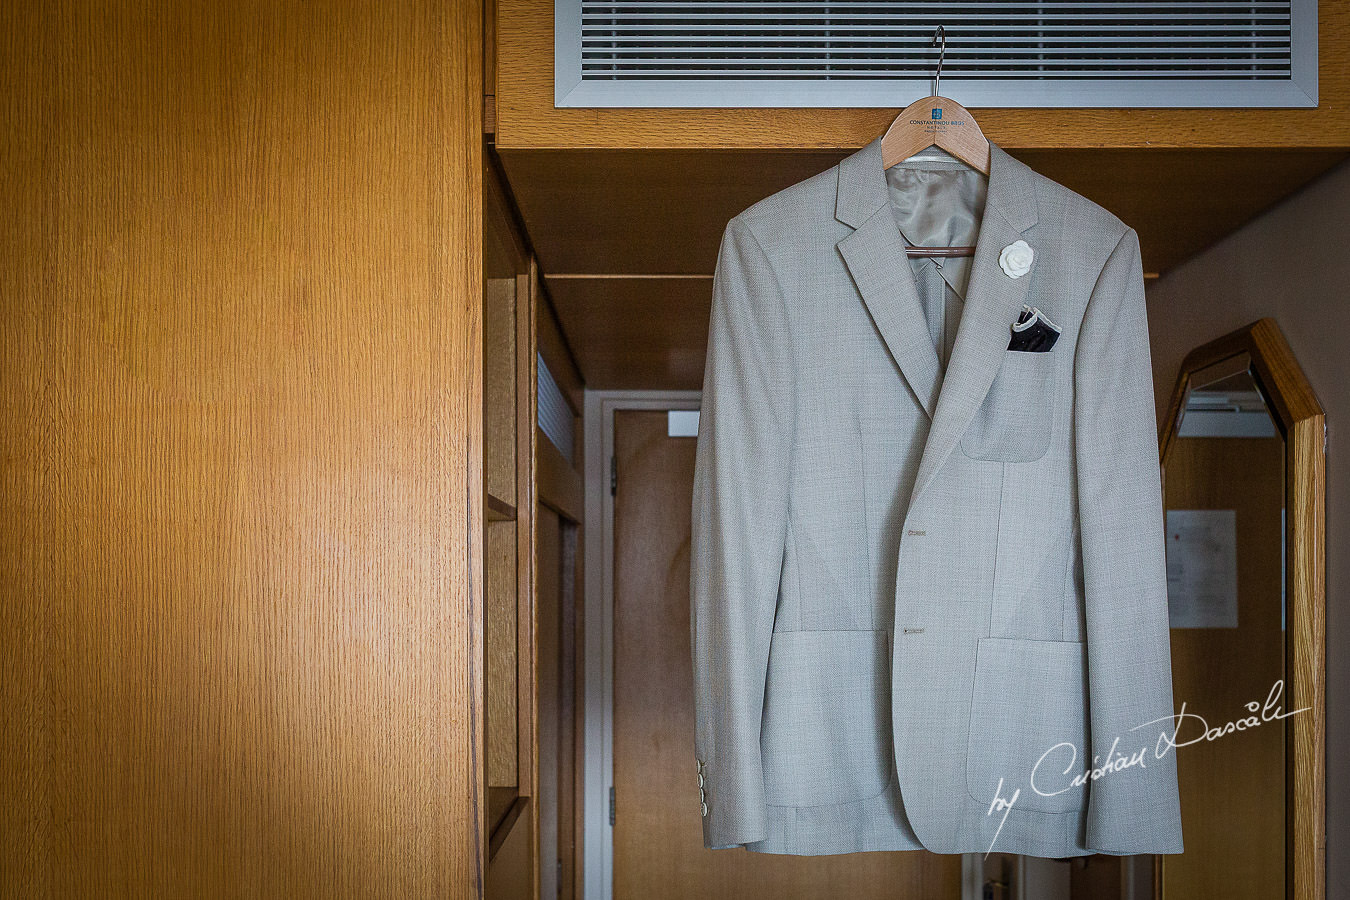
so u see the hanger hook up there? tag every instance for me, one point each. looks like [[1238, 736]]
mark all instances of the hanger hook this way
[[939, 35]]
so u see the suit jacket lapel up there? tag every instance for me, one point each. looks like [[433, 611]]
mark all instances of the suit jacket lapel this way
[[993, 300], [875, 258], [875, 255]]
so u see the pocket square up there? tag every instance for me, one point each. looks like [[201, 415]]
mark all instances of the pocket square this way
[[1033, 332]]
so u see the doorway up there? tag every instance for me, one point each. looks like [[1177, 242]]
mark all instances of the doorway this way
[[647, 839]]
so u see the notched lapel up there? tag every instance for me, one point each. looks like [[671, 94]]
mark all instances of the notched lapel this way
[[875, 255], [993, 300]]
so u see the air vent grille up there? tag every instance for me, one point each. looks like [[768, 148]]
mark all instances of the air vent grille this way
[[1052, 42], [780, 39]]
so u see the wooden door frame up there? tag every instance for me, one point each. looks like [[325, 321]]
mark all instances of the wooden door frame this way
[[597, 710], [1301, 421], [597, 663]]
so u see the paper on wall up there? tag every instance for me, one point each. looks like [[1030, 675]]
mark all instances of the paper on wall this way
[[1202, 568]]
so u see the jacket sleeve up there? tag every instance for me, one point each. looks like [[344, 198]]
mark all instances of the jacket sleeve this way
[[1135, 808], [739, 523]]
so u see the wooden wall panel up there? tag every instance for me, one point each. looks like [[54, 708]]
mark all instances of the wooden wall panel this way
[[616, 230], [526, 116], [637, 333], [662, 212], [240, 422], [501, 633]]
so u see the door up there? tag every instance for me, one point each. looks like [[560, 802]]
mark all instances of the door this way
[[658, 831]]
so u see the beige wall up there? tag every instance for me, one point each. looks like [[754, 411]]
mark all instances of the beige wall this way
[[1291, 263]]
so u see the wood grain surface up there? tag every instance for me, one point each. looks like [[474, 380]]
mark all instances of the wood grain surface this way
[[639, 333], [526, 116], [1305, 540], [628, 239], [1232, 790], [241, 418], [662, 212], [527, 534]]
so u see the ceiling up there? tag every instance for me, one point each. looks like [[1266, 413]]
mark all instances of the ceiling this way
[[627, 239]]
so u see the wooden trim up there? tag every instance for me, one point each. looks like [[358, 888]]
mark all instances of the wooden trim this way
[[1275, 365], [527, 683], [503, 829], [489, 66], [498, 510], [1306, 548], [577, 609], [630, 276], [468, 653], [499, 800], [1302, 421], [560, 485]]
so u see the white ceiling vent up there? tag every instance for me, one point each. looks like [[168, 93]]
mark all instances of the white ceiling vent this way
[[1054, 53]]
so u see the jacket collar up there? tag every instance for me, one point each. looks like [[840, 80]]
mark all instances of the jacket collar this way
[[875, 255], [863, 190]]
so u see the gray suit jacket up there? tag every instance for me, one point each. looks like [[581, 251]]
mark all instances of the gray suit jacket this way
[[926, 576]]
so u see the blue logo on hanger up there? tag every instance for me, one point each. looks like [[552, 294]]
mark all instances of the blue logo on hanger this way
[[937, 113]]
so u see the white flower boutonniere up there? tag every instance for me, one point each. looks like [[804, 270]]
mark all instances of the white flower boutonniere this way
[[1015, 260]]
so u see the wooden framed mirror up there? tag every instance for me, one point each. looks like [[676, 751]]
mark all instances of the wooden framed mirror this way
[[1244, 484]]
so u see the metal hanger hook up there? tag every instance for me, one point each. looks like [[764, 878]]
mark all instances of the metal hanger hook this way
[[939, 35]]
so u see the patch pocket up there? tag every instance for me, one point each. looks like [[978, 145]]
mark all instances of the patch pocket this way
[[826, 731], [1028, 724], [1013, 424]]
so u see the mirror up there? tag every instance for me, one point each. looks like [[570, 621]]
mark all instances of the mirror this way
[[1243, 492]]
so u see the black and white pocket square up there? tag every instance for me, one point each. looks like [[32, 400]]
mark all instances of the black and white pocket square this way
[[1033, 332]]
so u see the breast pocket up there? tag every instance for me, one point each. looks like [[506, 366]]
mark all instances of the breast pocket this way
[[1013, 424]]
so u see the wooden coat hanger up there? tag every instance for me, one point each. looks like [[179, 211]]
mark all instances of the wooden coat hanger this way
[[956, 132]]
